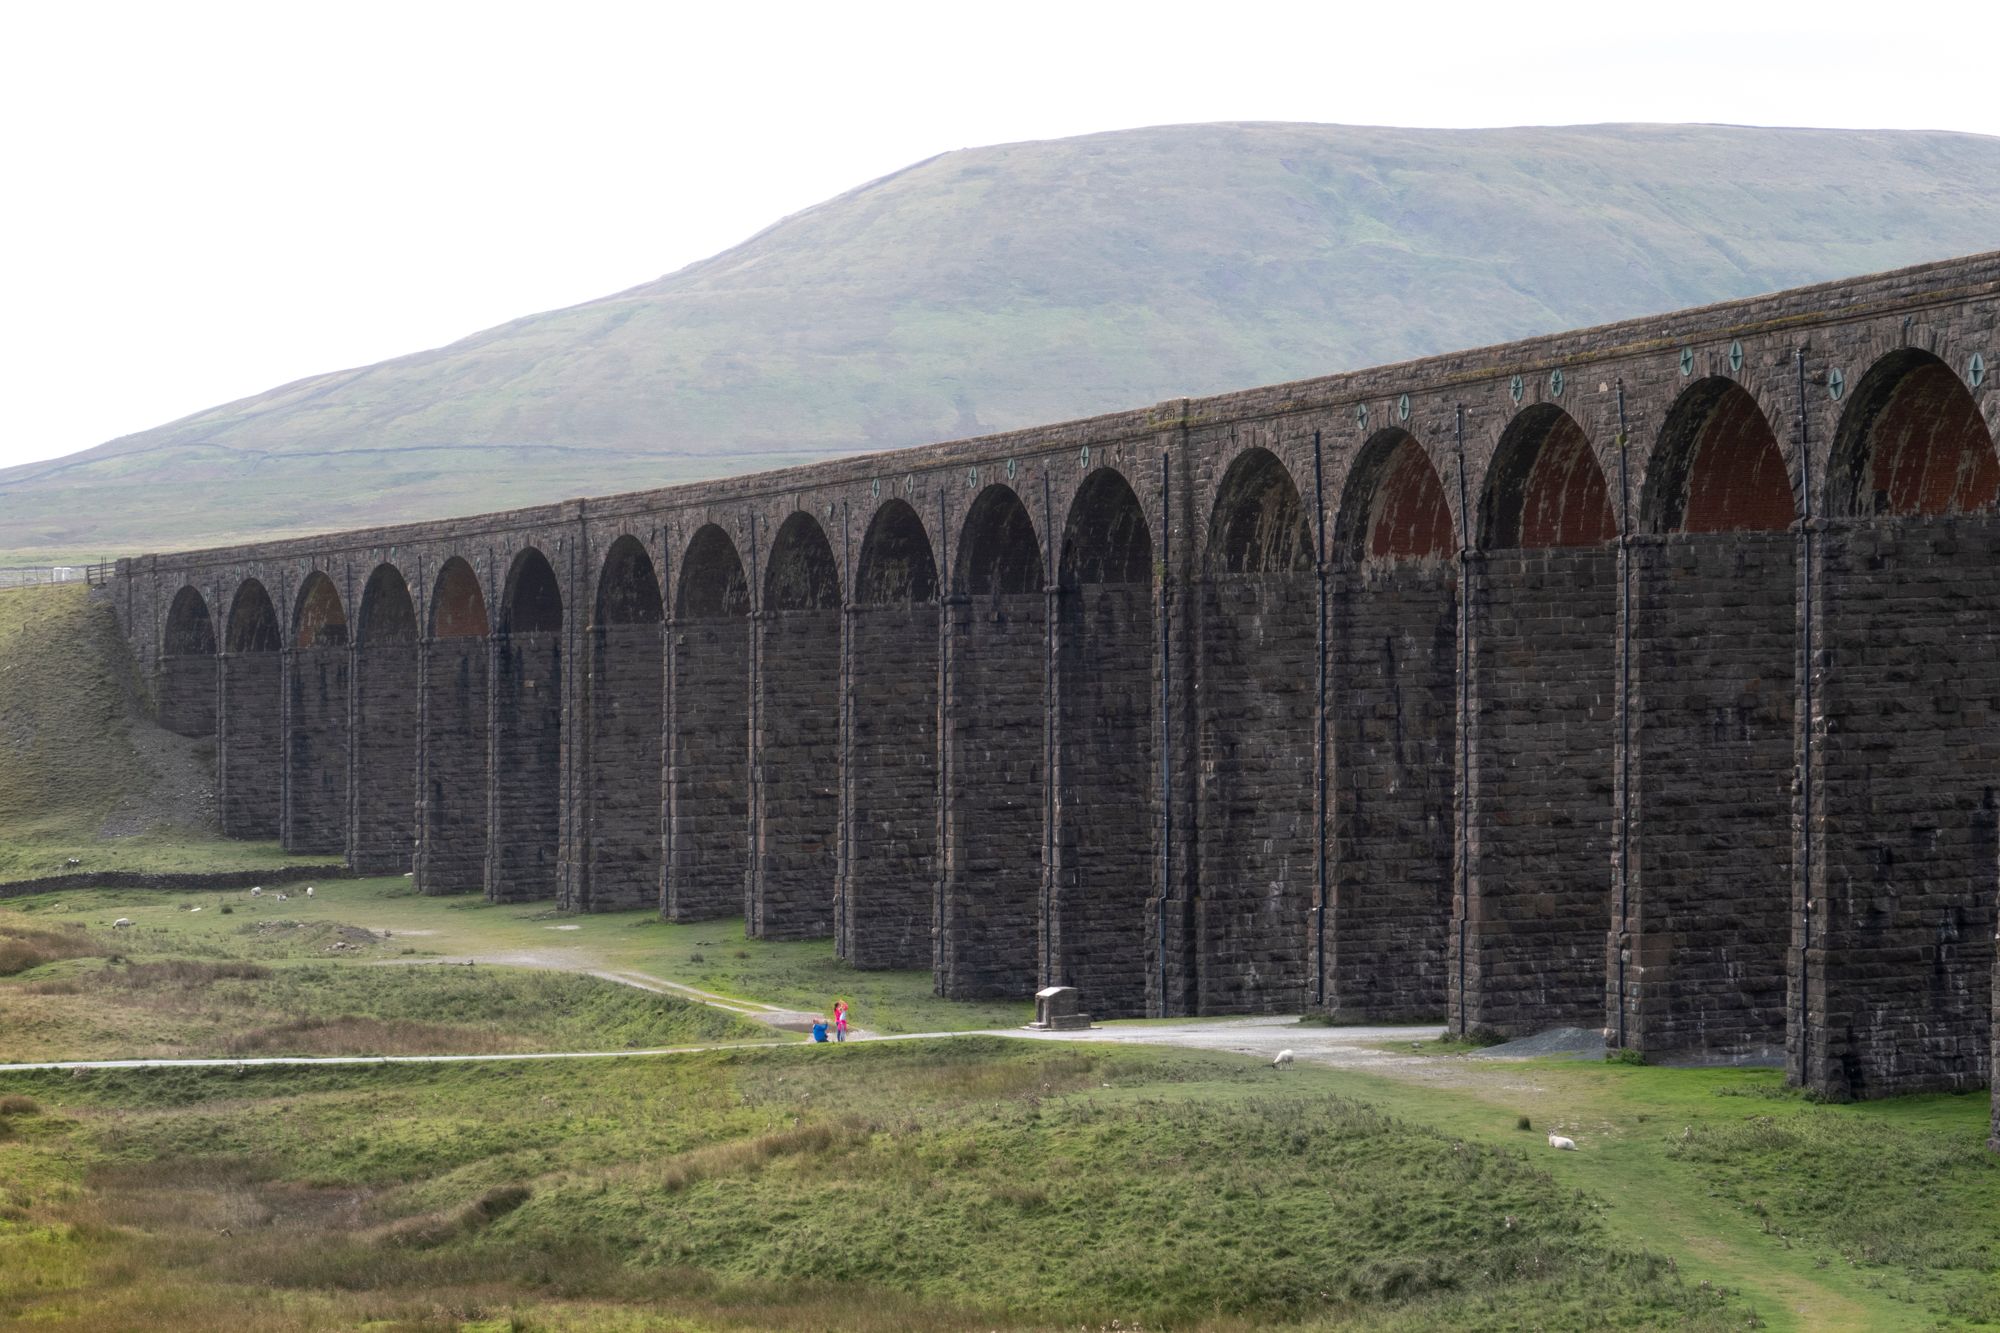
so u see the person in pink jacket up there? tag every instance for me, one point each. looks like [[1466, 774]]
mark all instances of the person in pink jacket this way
[[840, 1020]]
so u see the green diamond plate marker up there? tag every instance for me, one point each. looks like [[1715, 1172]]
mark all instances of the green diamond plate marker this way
[[1556, 382], [1836, 383], [1517, 388], [1010, 469], [1975, 370], [875, 488], [1403, 408], [971, 478], [1083, 456], [1361, 415], [1687, 362], [1735, 357]]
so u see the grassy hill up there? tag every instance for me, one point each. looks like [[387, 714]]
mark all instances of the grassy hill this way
[[998, 287]]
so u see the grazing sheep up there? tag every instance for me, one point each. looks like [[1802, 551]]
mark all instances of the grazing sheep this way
[[256, 890], [74, 861], [309, 890], [1558, 1141], [284, 897], [1284, 1060], [122, 923]]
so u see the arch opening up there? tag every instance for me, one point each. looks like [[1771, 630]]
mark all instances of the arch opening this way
[[628, 590], [708, 853], [1717, 466], [1543, 616], [525, 827], [1105, 866], [882, 915], [1545, 490], [999, 554], [1379, 954], [383, 836], [452, 810], [897, 564], [387, 611], [1394, 507], [532, 600], [626, 714], [1256, 840], [1912, 444], [184, 687], [317, 723], [988, 938], [248, 715], [1259, 523], [458, 607], [796, 743], [319, 621]]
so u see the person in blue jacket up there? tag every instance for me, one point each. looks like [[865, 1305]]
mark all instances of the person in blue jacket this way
[[819, 1028]]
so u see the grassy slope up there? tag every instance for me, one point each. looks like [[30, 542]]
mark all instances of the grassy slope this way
[[710, 955], [1882, 1215], [969, 1184], [69, 760], [1009, 285]]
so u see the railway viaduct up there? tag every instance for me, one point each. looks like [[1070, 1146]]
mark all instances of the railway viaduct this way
[[1642, 677]]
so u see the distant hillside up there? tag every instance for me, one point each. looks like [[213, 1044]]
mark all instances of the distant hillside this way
[[1000, 287]]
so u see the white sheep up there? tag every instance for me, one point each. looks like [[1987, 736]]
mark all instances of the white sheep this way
[[121, 923], [309, 890], [1558, 1141], [1284, 1060], [284, 897], [256, 890]]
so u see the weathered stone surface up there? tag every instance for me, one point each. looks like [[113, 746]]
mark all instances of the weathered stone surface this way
[[249, 743], [524, 790], [627, 694], [452, 811], [708, 852], [315, 767], [885, 908]]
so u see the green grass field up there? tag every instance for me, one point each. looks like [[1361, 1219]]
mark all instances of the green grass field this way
[[964, 1183]]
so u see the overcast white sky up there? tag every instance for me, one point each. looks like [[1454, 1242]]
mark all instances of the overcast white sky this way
[[199, 201]]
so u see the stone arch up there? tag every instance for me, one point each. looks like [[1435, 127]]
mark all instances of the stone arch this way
[[800, 574], [184, 687], [1542, 618], [708, 817], [1904, 738], [1394, 507], [454, 756], [249, 716], [1709, 725], [1257, 839], [626, 710], [1911, 443], [999, 553], [458, 606], [318, 618], [1544, 489], [1716, 466], [795, 805], [1105, 865], [712, 581], [382, 837], [898, 565], [1392, 653], [882, 917], [524, 831], [531, 600], [1259, 523], [997, 670], [316, 721], [253, 620]]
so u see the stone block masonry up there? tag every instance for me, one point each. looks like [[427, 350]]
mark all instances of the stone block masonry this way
[[1654, 662], [315, 763], [453, 767]]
